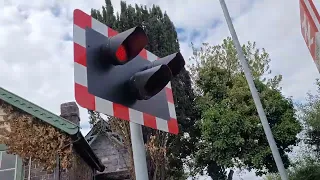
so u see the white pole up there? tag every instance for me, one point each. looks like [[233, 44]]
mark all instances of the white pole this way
[[139, 152], [255, 95], [29, 170]]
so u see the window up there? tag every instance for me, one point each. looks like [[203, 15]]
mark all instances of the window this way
[[10, 166]]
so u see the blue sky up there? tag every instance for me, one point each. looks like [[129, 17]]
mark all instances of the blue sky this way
[[196, 33]]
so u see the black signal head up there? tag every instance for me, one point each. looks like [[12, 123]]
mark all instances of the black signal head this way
[[174, 61], [146, 84], [124, 46]]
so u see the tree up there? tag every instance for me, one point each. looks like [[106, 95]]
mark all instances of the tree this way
[[162, 41], [310, 113], [306, 165], [306, 168], [231, 132]]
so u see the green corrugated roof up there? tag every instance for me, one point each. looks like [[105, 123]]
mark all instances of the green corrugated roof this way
[[42, 114]]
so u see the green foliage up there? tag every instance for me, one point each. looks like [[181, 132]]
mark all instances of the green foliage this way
[[307, 168], [310, 115], [231, 131], [162, 42], [308, 165], [272, 176]]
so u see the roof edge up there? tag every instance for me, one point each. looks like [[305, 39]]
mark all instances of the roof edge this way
[[81, 145], [85, 151], [35, 110]]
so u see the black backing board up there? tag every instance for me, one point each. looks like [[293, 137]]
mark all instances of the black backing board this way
[[110, 82]]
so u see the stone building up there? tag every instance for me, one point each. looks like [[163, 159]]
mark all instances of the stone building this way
[[97, 157], [110, 148]]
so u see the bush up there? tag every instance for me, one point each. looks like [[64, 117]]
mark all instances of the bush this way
[[306, 169], [309, 170]]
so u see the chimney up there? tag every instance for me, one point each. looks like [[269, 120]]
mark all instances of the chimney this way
[[70, 111]]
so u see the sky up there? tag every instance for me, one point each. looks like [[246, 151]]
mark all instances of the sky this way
[[36, 59]]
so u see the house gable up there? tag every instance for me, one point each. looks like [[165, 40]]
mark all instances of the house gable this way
[[80, 145], [111, 150]]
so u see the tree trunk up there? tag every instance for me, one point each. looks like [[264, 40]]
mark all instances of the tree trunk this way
[[155, 172], [230, 175]]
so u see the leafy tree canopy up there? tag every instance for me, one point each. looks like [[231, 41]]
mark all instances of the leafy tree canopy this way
[[231, 132], [310, 115], [306, 165]]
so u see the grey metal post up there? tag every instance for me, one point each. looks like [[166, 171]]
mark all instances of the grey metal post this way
[[255, 95], [139, 152]]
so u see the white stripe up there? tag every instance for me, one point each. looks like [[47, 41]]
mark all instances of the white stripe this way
[[312, 13], [151, 56], [136, 116], [162, 124], [80, 74], [104, 106], [169, 85], [79, 35], [99, 27], [172, 110]]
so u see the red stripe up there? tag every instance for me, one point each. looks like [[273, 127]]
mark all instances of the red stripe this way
[[80, 55], [173, 126], [81, 19], [169, 94], [314, 10], [143, 54], [112, 32], [84, 98], [149, 121], [305, 9], [121, 111], [313, 28]]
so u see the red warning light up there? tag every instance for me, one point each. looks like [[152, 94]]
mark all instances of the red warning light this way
[[121, 53]]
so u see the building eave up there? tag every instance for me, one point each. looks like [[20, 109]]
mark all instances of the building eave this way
[[83, 148], [38, 112]]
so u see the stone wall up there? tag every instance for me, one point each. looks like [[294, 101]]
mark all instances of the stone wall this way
[[34, 170], [3, 126], [70, 111], [113, 156], [80, 170]]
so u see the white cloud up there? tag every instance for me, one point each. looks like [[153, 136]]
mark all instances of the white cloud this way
[[36, 61], [275, 25]]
